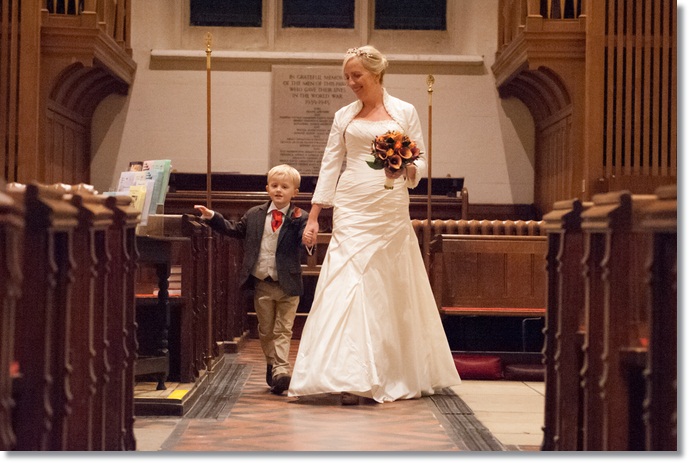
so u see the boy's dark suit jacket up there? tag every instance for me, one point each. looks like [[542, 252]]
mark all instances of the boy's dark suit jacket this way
[[288, 253]]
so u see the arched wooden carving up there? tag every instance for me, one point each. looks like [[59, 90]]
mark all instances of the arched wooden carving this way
[[72, 100], [557, 165]]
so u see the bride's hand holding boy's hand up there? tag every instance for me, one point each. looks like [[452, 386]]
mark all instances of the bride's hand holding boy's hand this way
[[310, 234]]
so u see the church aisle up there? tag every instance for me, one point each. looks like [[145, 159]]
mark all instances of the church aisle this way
[[257, 421]]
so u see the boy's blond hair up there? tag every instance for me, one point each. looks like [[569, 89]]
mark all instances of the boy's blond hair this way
[[285, 170]]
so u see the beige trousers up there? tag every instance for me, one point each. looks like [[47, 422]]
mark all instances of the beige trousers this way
[[275, 312]]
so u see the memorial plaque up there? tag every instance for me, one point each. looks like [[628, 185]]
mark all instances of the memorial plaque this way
[[305, 99]]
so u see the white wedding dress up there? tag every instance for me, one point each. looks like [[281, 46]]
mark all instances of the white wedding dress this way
[[374, 328]]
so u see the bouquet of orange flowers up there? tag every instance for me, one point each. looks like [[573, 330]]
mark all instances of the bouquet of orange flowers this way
[[392, 151]]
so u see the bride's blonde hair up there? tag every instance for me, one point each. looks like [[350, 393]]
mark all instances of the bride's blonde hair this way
[[372, 60]]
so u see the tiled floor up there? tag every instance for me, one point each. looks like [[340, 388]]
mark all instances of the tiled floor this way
[[262, 422], [511, 410]]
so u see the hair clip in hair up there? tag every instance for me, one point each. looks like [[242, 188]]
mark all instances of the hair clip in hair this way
[[359, 52]]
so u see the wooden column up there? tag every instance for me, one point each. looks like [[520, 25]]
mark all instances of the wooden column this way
[[11, 238], [564, 324]]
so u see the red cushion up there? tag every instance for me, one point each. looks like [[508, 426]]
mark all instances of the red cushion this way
[[471, 366], [528, 372]]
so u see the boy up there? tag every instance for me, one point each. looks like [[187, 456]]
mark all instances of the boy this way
[[272, 234]]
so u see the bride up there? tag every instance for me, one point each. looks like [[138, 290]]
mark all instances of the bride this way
[[373, 329]]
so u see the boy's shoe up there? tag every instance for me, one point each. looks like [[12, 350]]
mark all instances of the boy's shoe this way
[[281, 384], [269, 375]]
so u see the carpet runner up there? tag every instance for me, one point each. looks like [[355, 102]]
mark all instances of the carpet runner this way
[[459, 421]]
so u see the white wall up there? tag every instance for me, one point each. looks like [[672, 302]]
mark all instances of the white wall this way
[[475, 134]]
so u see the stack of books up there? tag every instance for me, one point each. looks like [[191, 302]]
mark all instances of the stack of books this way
[[146, 182]]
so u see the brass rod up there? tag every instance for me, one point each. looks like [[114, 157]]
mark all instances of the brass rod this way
[[430, 80], [209, 238], [208, 120]]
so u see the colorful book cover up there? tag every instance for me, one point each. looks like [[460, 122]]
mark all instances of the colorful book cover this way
[[153, 167]]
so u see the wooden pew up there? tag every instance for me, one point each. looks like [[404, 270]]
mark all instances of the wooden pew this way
[[233, 204], [210, 284], [426, 230], [482, 232], [198, 276], [100, 343], [529, 233], [660, 404], [168, 311], [611, 354], [43, 398], [230, 320], [11, 237], [121, 325], [85, 430], [194, 286], [564, 329], [191, 330], [489, 275], [67, 349], [614, 258]]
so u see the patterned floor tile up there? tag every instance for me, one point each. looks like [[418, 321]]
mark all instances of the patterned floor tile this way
[[254, 420]]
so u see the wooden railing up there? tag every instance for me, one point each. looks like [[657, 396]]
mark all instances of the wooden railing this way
[[112, 17], [515, 15], [611, 331]]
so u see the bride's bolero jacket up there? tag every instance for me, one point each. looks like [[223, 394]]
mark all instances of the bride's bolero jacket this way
[[402, 112]]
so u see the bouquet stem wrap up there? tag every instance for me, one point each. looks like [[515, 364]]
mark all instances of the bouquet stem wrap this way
[[389, 183]]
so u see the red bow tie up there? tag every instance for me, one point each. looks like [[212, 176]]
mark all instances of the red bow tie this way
[[277, 219]]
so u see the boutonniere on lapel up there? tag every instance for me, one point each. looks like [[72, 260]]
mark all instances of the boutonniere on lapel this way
[[296, 213]]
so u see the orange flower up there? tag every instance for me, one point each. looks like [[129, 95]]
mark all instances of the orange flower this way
[[395, 162], [405, 153]]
